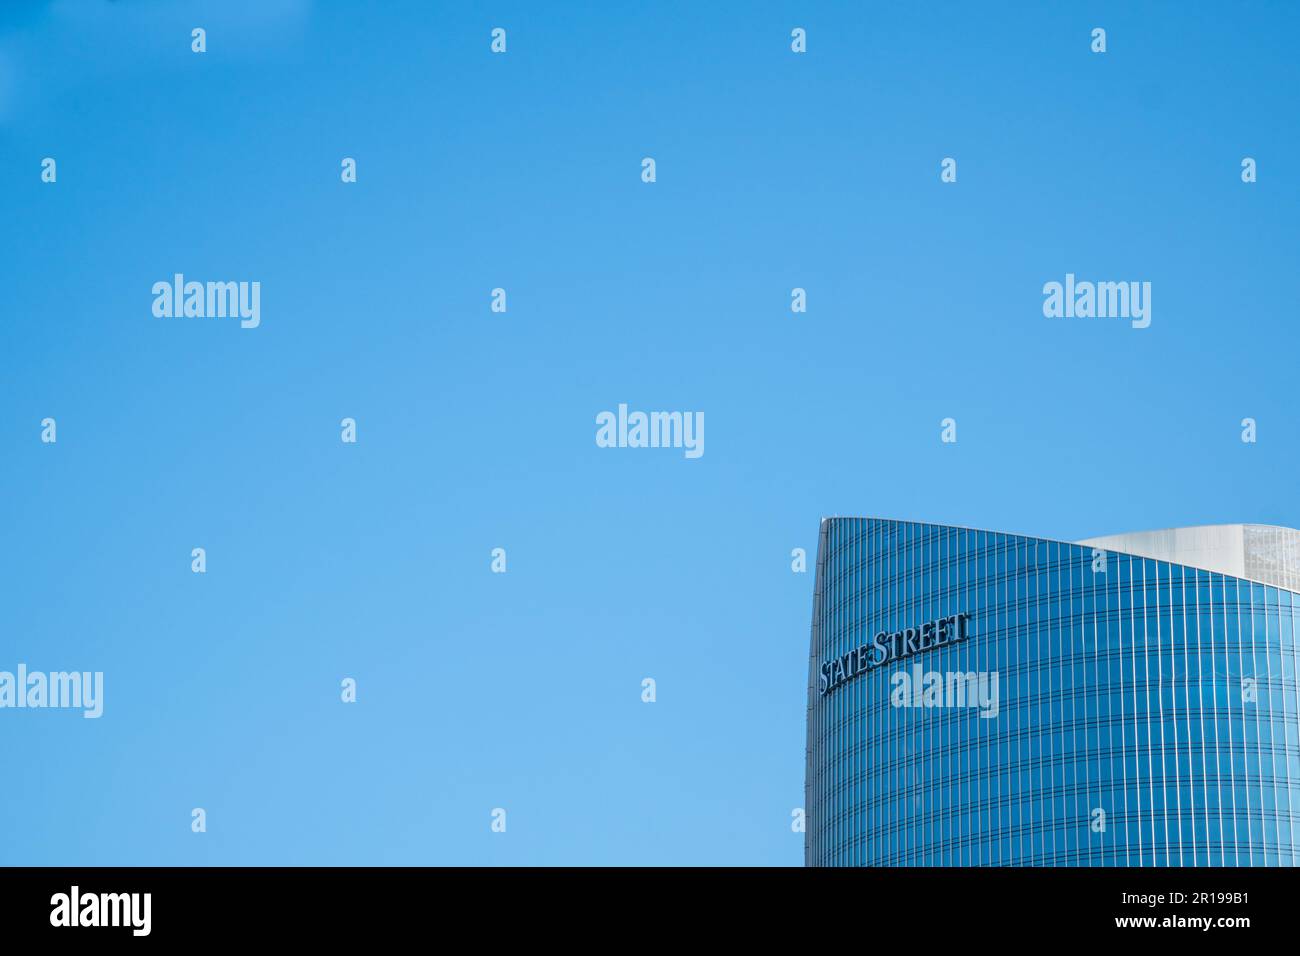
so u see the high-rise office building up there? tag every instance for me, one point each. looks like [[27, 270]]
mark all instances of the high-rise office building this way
[[990, 699]]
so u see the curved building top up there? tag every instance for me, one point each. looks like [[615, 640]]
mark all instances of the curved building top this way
[[1260, 552]]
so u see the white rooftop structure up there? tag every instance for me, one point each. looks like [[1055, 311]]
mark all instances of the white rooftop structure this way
[[1259, 552]]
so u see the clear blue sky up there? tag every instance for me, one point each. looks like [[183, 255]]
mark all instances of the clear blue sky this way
[[476, 430]]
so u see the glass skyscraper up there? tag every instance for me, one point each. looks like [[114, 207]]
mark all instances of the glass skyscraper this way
[[986, 699]]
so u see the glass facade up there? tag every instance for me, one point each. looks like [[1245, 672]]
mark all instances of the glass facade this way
[[1118, 710]]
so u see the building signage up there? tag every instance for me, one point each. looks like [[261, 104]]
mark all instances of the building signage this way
[[886, 647]]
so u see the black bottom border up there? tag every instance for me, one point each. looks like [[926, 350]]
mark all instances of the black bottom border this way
[[334, 905]]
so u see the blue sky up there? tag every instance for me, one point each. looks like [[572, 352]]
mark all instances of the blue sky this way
[[476, 429]]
